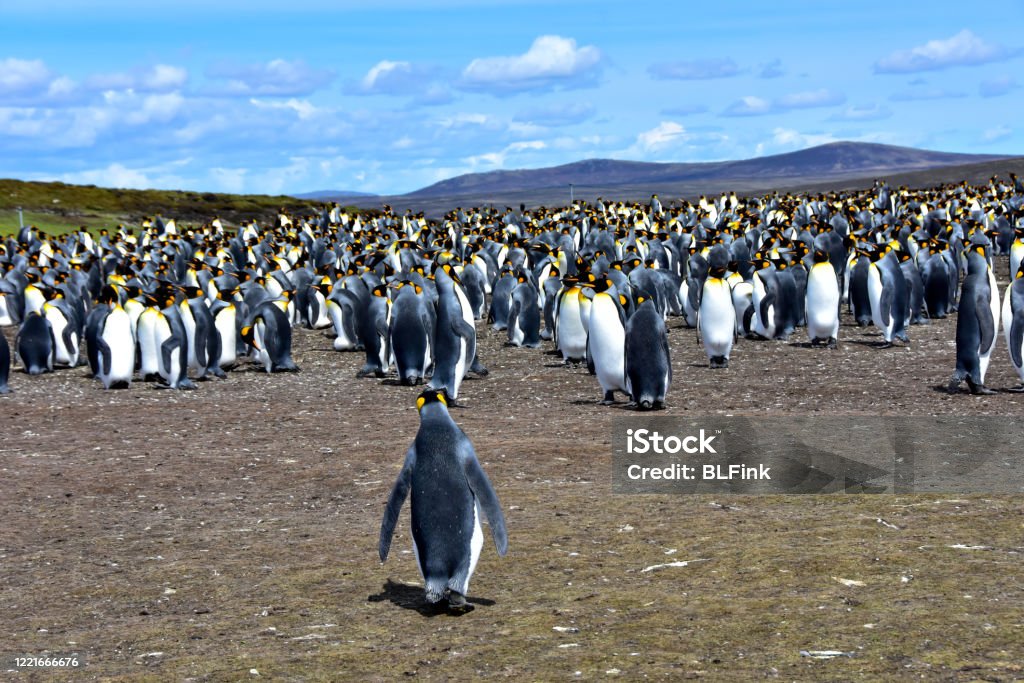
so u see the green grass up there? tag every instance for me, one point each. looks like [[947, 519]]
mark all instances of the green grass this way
[[58, 208]]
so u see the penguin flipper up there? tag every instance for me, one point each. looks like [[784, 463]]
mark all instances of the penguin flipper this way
[[766, 303], [106, 357], [1016, 337], [395, 501], [201, 344], [885, 304], [166, 349], [485, 496], [985, 322]]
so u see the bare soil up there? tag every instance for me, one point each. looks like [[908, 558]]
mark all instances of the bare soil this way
[[230, 533]]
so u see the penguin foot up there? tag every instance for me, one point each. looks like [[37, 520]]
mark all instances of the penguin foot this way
[[609, 399], [980, 389], [833, 343], [719, 362], [1017, 390], [457, 603]]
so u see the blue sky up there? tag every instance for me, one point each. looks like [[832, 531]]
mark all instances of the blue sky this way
[[389, 96]]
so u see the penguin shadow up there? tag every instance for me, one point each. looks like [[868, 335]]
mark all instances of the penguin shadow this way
[[411, 598]]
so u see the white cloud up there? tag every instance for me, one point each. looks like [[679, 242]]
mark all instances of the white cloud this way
[[302, 108], [114, 175], [749, 106], [699, 69], [996, 134], [163, 77], [963, 49], [759, 106], [665, 134], [276, 78], [229, 179], [22, 75], [551, 61]]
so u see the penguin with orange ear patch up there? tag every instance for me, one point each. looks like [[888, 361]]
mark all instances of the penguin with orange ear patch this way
[[648, 362], [409, 332], [448, 491], [977, 324]]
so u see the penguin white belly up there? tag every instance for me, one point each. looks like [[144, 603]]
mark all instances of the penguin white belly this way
[[585, 305], [341, 339], [742, 297], [758, 295], [476, 544], [689, 311], [225, 324], [717, 319], [322, 320], [62, 354], [149, 350], [5, 314], [1016, 256], [117, 334], [822, 308], [1008, 328], [875, 287], [517, 335], [572, 338], [985, 355], [189, 323], [608, 345]]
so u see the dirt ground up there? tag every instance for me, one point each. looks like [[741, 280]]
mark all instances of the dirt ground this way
[[230, 533]]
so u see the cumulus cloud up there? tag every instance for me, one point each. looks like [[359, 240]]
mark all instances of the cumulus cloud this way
[[749, 106], [401, 78], [276, 78], [997, 86], [551, 62], [114, 175], [699, 69], [758, 106], [157, 78], [498, 159], [665, 134], [963, 49], [302, 108], [556, 115], [22, 75]]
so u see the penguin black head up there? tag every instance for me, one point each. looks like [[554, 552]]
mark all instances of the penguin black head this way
[[820, 256], [432, 396]]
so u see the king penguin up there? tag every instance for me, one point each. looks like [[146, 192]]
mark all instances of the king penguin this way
[[977, 324], [822, 301], [35, 345], [607, 339], [648, 363], [409, 332], [889, 296], [448, 491], [115, 343], [1013, 323], [716, 317]]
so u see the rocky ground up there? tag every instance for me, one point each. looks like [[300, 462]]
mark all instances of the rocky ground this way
[[230, 533]]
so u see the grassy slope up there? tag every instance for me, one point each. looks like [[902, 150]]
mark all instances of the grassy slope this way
[[58, 207]]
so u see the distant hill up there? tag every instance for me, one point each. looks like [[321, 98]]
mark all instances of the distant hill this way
[[334, 195], [834, 160]]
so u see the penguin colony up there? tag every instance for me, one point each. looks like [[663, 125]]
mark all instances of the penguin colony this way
[[599, 281]]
